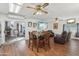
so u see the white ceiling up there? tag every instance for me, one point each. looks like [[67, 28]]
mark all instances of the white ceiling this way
[[4, 7], [54, 10]]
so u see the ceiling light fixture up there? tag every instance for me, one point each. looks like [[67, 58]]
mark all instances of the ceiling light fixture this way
[[72, 20], [39, 13], [56, 20], [39, 8]]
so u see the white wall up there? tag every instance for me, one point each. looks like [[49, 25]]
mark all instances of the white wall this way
[[2, 38], [30, 29], [60, 25]]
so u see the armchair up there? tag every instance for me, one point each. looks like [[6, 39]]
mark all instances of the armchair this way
[[61, 38], [77, 34]]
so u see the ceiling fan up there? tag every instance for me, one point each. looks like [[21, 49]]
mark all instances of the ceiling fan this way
[[39, 8]]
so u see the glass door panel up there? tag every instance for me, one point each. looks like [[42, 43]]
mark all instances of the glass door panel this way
[[71, 28]]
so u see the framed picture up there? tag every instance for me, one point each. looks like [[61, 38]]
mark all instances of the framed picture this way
[[55, 26], [34, 25], [29, 24]]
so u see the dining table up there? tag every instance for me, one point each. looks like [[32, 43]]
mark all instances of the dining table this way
[[39, 36]]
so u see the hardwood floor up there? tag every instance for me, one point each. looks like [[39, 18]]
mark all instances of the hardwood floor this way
[[20, 48]]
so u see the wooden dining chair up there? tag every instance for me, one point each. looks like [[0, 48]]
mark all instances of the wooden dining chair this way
[[32, 40], [44, 40], [40, 42], [47, 39]]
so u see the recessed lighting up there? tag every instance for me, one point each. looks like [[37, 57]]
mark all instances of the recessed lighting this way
[[11, 7], [17, 9]]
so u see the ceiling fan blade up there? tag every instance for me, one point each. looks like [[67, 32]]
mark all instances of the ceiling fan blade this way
[[45, 5], [44, 11], [34, 13], [30, 7]]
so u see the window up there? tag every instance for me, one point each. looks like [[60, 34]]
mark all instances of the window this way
[[73, 28], [42, 26]]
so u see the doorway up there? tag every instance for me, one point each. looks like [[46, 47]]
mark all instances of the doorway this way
[[14, 30]]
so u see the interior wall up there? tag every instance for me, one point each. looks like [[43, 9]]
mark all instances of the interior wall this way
[[30, 29], [60, 25], [2, 38]]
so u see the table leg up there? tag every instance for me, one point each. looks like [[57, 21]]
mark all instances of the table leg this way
[[37, 45]]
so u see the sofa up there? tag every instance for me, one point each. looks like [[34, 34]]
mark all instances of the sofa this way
[[77, 34], [61, 39]]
